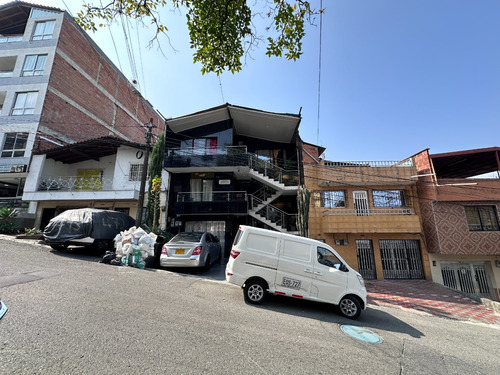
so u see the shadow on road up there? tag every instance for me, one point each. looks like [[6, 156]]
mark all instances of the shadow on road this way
[[370, 318]]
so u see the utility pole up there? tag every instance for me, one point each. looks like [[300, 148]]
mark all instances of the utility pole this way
[[140, 203]]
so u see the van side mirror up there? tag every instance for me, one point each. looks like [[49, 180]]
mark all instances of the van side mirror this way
[[343, 268]]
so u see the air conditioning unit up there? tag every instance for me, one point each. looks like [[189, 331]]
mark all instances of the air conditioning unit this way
[[341, 242]]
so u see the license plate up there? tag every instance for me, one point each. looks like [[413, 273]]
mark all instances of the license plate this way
[[179, 251]]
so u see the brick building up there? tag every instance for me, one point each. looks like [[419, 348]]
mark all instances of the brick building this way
[[369, 212], [57, 88], [460, 208]]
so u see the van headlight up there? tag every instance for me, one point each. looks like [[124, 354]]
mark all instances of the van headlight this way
[[360, 278]]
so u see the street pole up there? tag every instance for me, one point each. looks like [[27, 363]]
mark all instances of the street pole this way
[[140, 203]]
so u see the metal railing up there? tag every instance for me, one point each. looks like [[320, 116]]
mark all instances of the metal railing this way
[[368, 172], [231, 156], [272, 213], [373, 164], [213, 196], [368, 212], [75, 183]]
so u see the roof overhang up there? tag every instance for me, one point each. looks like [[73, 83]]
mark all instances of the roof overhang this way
[[93, 149], [14, 15], [468, 163], [276, 127]]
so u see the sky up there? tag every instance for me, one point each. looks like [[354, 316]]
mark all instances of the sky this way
[[395, 76]]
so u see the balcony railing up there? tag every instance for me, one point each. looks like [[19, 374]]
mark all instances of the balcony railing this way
[[210, 203], [230, 156], [212, 196], [368, 172], [75, 183], [273, 214], [368, 212]]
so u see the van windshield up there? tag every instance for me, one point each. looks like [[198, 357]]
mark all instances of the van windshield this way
[[327, 258]]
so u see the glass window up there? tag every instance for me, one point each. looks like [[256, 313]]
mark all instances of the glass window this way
[[481, 218], [327, 258], [34, 65], [135, 172], [43, 30], [14, 145], [388, 198], [329, 199], [25, 103]]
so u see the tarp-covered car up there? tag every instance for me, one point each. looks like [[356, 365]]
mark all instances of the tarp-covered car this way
[[89, 227]]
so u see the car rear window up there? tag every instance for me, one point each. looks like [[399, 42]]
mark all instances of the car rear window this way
[[187, 237]]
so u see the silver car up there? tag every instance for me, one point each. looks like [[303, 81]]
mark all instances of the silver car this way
[[191, 249]]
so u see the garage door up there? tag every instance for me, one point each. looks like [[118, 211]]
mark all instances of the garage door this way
[[401, 259]]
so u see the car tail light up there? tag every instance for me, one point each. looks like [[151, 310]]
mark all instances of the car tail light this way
[[234, 253], [164, 250], [197, 250]]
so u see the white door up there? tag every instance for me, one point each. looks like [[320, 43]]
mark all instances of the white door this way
[[361, 207], [329, 281], [295, 268]]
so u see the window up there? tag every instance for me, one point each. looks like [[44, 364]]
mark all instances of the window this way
[[34, 65], [329, 199], [25, 103], [327, 258], [14, 145], [135, 172], [389, 198], [43, 30], [481, 218]]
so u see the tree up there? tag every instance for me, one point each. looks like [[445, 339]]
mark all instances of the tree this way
[[221, 32], [155, 168]]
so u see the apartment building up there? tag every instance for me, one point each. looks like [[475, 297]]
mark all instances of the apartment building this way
[[58, 88], [460, 204], [232, 165], [369, 212]]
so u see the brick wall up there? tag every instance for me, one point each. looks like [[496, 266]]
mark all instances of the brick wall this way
[[87, 98]]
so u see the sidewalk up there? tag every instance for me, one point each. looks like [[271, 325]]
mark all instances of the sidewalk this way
[[429, 297]]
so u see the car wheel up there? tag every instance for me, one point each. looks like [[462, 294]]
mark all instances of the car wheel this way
[[207, 264], [255, 291], [59, 247], [350, 307], [100, 246]]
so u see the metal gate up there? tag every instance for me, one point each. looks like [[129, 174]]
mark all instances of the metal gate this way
[[361, 207], [366, 261], [471, 278], [401, 259]]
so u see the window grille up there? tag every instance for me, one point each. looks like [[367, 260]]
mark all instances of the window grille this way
[[135, 173], [329, 199], [388, 198], [481, 218]]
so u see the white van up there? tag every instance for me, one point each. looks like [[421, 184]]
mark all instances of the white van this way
[[264, 261]]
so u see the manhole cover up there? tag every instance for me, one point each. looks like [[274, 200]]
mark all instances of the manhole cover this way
[[3, 309], [362, 334]]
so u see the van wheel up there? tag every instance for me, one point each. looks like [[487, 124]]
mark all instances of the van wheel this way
[[350, 307], [255, 292]]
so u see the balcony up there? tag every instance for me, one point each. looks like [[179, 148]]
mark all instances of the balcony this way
[[227, 159], [367, 173], [80, 188], [211, 203], [373, 220]]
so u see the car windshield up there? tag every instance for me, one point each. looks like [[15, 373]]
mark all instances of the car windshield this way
[[187, 237]]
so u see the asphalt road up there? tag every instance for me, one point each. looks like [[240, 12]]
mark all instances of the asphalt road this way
[[69, 314]]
